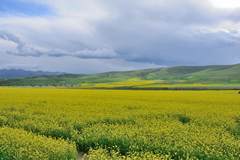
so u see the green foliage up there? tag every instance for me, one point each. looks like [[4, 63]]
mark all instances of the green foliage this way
[[236, 128], [183, 118]]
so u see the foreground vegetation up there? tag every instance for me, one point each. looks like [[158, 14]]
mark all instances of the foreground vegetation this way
[[18, 144], [107, 124]]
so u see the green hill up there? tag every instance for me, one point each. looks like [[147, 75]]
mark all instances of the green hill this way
[[222, 74]]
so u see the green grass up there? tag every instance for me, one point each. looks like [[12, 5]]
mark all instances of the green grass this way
[[224, 75]]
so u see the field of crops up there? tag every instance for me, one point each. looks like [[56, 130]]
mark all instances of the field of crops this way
[[136, 84], [69, 124]]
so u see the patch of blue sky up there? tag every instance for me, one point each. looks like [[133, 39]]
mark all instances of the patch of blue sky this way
[[27, 8]]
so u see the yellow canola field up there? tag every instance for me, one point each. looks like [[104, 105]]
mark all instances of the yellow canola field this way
[[112, 124]]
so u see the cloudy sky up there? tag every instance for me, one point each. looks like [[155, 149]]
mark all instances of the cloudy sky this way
[[88, 36]]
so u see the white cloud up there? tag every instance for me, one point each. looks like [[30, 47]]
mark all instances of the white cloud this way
[[225, 3]]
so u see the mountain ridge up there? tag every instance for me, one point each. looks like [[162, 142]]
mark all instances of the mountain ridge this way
[[21, 73]]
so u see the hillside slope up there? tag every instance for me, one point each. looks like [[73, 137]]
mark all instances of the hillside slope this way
[[222, 74]]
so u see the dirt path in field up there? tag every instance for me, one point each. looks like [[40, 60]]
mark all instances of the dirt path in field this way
[[80, 156]]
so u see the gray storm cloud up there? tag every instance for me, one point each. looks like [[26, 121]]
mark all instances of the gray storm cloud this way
[[23, 49], [160, 32]]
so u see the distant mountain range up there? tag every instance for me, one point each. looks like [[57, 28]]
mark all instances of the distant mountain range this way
[[216, 74], [19, 73]]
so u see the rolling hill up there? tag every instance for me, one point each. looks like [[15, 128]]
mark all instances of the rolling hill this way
[[217, 74]]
